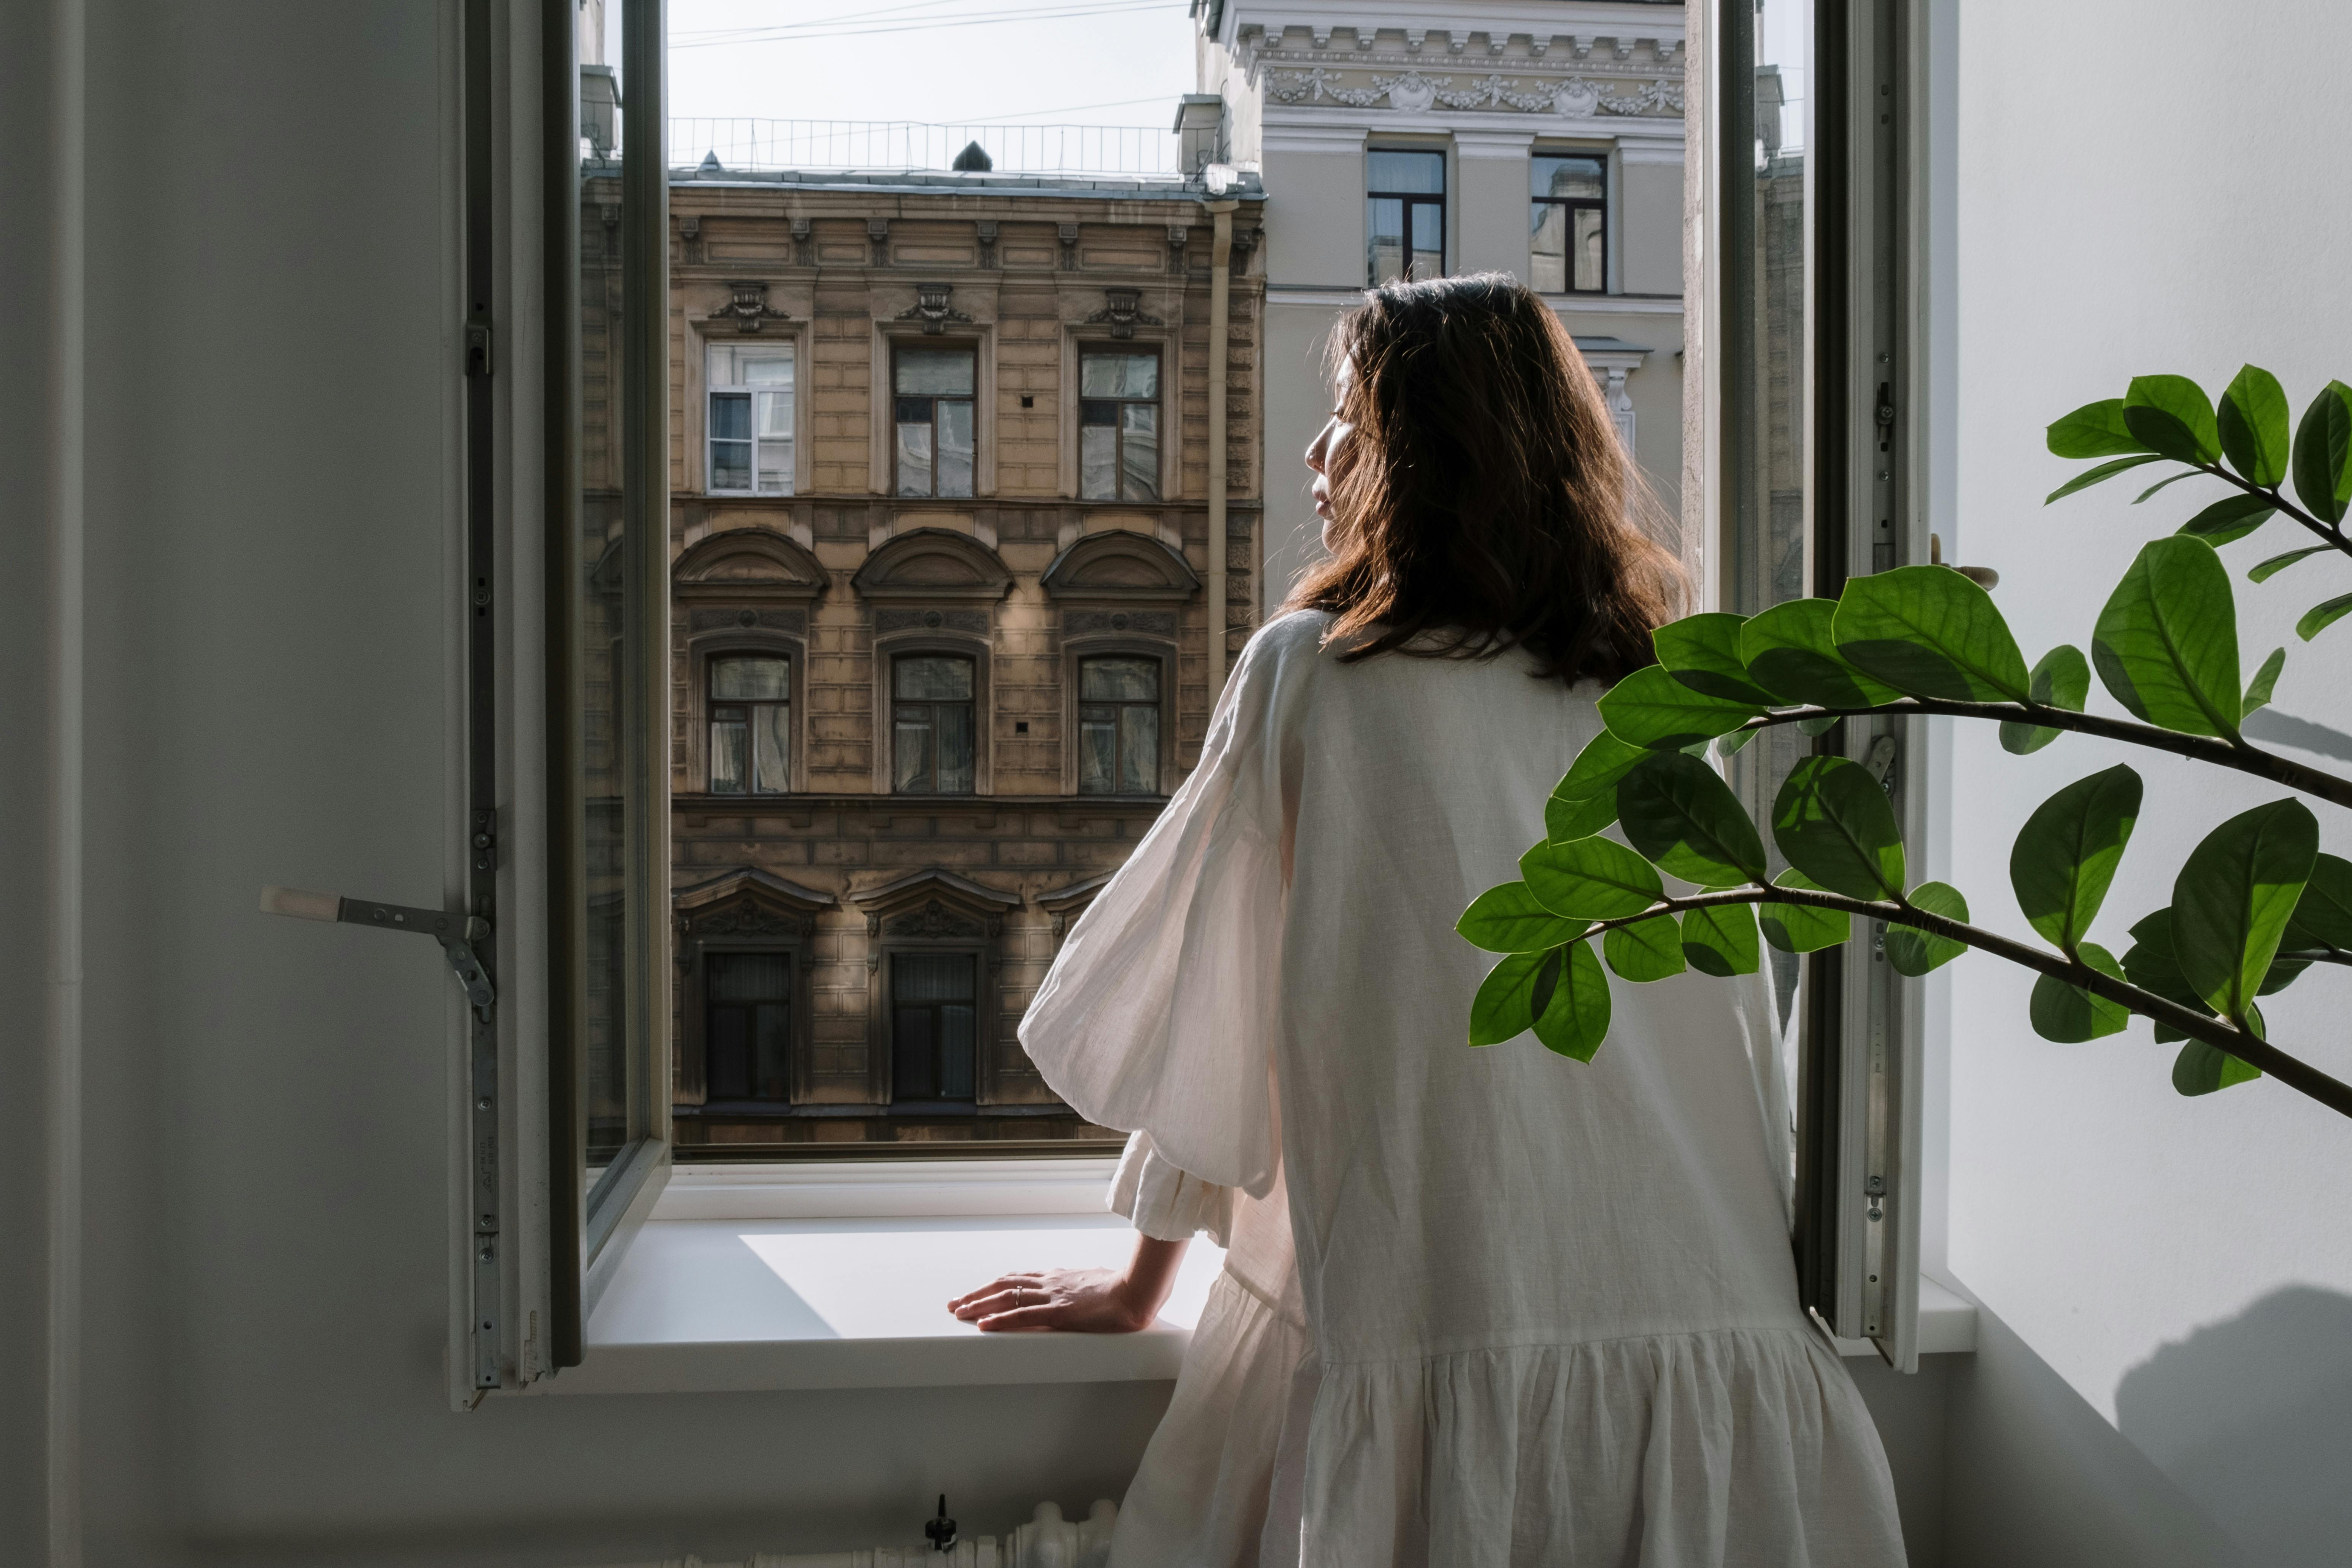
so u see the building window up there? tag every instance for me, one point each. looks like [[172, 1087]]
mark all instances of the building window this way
[[751, 432], [1567, 226], [934, 1022], [931, 725], [1118, 425], [750, 724], [1118, 726], [747, 1025], [1407, 221], [933, 390]]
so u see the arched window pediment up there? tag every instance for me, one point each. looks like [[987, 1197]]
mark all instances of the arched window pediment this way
[[933, 902], [932, 564], [1122, 566], [749, 563]]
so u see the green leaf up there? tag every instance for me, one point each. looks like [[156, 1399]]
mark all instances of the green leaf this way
[[2201, 1069], [2266, 569], [1509, 919], [2167, 643], [1914, 952], [1729, 745], [1800, 928], [1791, 651], [2252, 421], [1721, 940], [2103, 473], [2323, 454], [2229, 519], [2160, 484], [2171, 414], [2094, 430], [1644, 950], [1585, 800], [1504, 1008], [1575, 1019], [1703, 653], [2323, 915], [1930, 632], [2152, 965], [2065, 858], [2070, 1014], [2258, 690], [2232, 902], [1679, 812], [1832, 822], [2319, 617], [2062, 680], [1649, 708], [1591, 879], [1817, 726]]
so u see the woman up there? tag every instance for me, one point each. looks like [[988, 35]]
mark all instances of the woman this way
[[1479, 1306]]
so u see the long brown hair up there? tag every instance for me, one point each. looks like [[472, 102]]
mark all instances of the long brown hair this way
[[1483, 501]]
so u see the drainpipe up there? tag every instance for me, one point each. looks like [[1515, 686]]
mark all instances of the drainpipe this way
[[1220, 301]]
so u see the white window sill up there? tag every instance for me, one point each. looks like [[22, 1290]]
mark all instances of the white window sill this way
[[751, 1278]]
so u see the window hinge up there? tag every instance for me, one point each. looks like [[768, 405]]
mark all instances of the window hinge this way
[[455, 933], [477, 349]]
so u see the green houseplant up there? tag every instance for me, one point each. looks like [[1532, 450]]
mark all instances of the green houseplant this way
[[2254, 905]]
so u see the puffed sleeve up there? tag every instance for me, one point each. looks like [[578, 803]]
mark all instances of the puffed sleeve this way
[[1166, 1203], [1160, 1014]]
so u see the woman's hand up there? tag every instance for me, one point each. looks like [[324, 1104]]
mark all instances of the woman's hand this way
[[1077, 1301]]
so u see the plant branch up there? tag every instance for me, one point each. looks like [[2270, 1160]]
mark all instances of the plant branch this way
[[2332, 532], [2249, 1048], [2241, 756]]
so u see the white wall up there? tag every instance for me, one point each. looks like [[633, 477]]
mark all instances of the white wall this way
[[2144, 186]]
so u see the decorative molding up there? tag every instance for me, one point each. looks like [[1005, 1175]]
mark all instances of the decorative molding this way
[[1179, 237], [1122, 312], [1068, 234], [1412, 92], [984, 232], [747, 563], [1121, 566], [1068, 902], [941, 906], [804, 242], [931, 307], [932, 566], [747, 310], [878, 234]]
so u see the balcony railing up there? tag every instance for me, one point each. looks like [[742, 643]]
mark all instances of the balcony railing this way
[[827, 145]]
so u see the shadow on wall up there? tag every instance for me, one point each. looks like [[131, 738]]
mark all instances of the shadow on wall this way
[[2252, 1419]]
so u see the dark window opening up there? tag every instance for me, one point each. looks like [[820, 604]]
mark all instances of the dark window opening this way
[[932, 731], [1406, 223], [747, 1025], [934, 1026]]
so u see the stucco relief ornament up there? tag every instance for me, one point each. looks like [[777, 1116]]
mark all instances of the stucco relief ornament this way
[[931, 307], [1493, 92], [1316, 85], [1658, 95], [1122, 311], [1412, 93], [1577, 99], [748, 309]]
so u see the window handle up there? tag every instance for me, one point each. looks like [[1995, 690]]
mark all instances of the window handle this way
[[455, 933]]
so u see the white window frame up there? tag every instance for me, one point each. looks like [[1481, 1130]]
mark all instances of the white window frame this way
[[785, 347]]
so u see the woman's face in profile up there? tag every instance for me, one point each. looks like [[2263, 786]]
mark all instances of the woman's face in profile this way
[[1324, 449]]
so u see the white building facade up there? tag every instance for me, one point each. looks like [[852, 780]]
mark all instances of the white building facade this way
[[1540, 138]]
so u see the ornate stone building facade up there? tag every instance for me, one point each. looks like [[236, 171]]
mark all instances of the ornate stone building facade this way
[[941, 502]]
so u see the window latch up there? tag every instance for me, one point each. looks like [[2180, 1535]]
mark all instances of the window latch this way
[[455, 933]]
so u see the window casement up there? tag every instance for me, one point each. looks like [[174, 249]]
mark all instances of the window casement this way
[[748, 418], [745, 942], [1119, 725], [934, 1006], [933, 418], [750, 708], [934, 1027], [933, 749], [1405, 215], [1118, 424], [747, 1024], [1567, 223]]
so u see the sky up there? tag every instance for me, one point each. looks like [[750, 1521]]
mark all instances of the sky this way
[[956, 62]]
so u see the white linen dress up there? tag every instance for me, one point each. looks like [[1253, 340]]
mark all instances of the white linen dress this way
[[1480, 1307]]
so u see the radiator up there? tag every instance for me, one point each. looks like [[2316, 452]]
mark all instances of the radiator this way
[[1046, 1541]]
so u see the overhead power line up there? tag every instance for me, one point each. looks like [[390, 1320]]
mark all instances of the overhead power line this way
[[914, 24]]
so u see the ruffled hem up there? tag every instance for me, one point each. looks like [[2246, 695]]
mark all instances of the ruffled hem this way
[[1732, 1449], [1165, 1203]]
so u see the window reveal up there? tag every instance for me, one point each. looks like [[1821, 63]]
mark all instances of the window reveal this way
[[746, 1025], [931, 734], [750, 724], [932, 397], [1405, 226], [1118, 726], [1567, 223], [1118, 425], [934, 1024], [750, 420]]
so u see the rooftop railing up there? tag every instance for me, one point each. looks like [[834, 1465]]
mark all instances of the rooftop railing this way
[[816, 145]]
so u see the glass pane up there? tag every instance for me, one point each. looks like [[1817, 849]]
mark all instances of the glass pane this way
[[1591, 265], [750, 976], [955, 447], [1385, 226], [933, 679], [730, 742], [1411, 173], [752, 678], [931, 977], [1098, 461], [1139, 749], [1548, 247], [776, 468], [1428, 240], [914, 1052], [1101, 411], [719, 367], [1118, 375], [730, 416], [951, 732], [1119, 680], [725, 1053], [1139, 452], [771, 748], [1098, 750], [767, 367], [914, 458], [730, 464], [935, 371], [910, 752], [772, 1041], [956, 1052], [1567, 177], [775, 412]]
